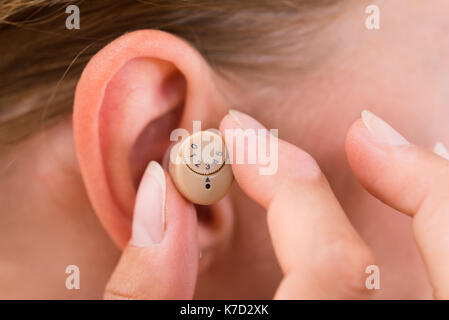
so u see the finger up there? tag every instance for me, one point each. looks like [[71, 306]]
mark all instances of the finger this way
[[320, 253], [161, 259], [411, 180]]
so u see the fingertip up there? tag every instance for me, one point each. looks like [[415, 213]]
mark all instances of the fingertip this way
[[363, 153], [227, 123], [353, 142], [286, 161], [236, 119], [356, 137]]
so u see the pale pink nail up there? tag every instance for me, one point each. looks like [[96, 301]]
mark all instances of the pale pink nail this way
[[244, 121], [441, 150], [381, 130], [149, 211]]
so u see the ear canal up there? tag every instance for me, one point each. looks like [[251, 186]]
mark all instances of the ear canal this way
[[199, 168]]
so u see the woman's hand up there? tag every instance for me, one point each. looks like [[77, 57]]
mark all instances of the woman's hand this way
[[411, 180], [161, 259], [320, 253]]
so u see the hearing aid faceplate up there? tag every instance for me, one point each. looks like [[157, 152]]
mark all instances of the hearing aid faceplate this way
[[198, 167]]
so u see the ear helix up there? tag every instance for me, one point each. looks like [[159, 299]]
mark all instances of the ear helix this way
[[199, 168]]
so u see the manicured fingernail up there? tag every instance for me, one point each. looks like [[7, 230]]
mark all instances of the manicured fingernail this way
[[441, 150], [235, 116], [244, 121], [381, 130], [149, 211]]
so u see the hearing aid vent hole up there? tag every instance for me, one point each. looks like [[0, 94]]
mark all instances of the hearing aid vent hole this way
[[207, 186]]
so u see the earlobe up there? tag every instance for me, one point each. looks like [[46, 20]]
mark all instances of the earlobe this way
[[133, 85]]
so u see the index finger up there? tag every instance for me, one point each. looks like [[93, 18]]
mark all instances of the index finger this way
[[320, 253], [411, 180]]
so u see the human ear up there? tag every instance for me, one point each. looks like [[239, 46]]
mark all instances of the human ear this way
[[129, 98]]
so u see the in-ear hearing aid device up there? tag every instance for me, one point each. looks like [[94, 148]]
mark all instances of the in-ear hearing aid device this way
[[199, 168]]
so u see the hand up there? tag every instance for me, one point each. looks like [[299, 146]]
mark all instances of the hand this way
[[161, 259], [320, 253]]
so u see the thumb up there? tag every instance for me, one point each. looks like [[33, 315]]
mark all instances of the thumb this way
[[161, 259]]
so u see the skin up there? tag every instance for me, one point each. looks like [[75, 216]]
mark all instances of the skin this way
[[68, 193]]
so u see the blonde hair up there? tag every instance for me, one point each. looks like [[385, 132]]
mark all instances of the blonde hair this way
[[41, 60]]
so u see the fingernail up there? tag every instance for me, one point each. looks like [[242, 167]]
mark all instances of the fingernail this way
[[441, 150], [381, 130], [149, 211], [235, 116], [244, 121]]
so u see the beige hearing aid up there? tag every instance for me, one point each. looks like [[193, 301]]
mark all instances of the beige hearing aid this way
[[199, 169]]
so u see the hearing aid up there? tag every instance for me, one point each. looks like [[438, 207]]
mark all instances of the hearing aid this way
[[199, 168]]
